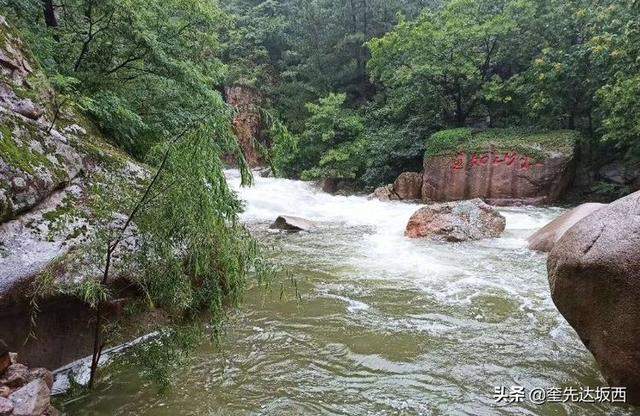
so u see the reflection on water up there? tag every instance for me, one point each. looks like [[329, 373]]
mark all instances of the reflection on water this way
[[386, 325]]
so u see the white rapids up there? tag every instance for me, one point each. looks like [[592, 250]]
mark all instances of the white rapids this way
[[379, 324]]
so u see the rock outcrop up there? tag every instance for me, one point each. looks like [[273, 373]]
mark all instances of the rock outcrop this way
[[247, 122], [545, 238], [498, 168], [456, 221], [24, 391], [595, 284], [292, 224], [408, 186], [58, 182]]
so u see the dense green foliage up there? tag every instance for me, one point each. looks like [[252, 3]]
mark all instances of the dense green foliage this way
[[411, 68], [533, 144], [145, 68], [148, 74]]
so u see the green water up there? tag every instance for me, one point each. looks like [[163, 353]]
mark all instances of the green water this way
[[384, 325]]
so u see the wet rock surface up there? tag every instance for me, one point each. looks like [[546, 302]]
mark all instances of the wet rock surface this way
[[456, 221], [292, 224], [500, 178], [594, 281], [545, 238], [408, 186]]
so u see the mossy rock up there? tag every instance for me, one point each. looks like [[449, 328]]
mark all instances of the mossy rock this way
[[535, 144]]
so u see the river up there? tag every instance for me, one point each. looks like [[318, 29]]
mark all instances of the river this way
[[379, 324]]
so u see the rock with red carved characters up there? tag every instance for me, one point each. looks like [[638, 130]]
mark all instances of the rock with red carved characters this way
[[500, 166], [505, 178], [595, 284]]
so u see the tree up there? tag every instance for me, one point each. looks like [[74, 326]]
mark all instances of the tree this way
[[329, 145]]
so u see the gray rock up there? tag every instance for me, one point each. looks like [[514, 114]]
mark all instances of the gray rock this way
[[456, 221], [595, 284], [293, 224], [19, 184], [31, 400], [42, 374], [6, 407], [265, 172], [28, 109], [545, 238], [75, 129]]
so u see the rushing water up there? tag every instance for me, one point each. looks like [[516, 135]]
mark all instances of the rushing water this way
[[376, 323]]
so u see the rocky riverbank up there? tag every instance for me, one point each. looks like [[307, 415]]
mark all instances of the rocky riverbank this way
[[24, 391], [60, 181]]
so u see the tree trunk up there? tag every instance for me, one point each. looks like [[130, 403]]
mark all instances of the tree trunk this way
[[49, 13]]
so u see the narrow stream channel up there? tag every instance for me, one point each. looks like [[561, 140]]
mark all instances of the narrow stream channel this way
[[385, 325]]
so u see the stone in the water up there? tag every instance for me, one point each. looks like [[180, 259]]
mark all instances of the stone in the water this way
[[456, 221], [291, 223], [594, 276], [31, 400], [545, 238], [384, 193]]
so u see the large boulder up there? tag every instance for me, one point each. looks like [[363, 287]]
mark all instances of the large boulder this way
[[595, 283], [545, 238], [408, 186], [292, 224], [499, 166], [456, 221]]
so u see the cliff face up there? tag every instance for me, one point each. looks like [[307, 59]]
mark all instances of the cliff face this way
[[247, 123], [60, 181]]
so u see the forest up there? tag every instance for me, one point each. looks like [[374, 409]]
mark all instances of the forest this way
[[351, 89]]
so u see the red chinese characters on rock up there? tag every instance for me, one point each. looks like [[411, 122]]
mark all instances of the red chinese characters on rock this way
[[508, 159]]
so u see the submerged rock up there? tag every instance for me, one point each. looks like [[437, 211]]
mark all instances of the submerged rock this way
[[456, 221], [293, 224], [593, 275], [545, 238]]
